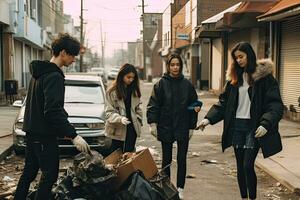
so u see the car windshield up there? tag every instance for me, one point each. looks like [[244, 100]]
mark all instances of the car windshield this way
[[84, 94]]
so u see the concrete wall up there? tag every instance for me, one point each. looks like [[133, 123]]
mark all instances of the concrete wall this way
[[4, 11], [216, 68]]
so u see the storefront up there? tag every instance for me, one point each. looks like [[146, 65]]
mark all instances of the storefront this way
[[290, 63], [285, 17]]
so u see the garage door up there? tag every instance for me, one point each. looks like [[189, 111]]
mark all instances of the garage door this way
[[290, 63]]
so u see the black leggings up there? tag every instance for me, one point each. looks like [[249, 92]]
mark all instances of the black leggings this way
[[246, 176], [128, 145], [182, 148]]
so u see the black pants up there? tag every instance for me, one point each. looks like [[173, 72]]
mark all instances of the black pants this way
[[246, 175], [44, 156], [128, 145], [182, 148]]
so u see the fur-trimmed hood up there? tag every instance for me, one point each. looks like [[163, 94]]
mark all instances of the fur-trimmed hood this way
[[264, 67]]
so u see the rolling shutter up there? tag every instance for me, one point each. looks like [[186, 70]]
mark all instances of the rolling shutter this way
[[290, 62]]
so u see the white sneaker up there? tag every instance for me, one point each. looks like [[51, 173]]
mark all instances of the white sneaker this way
[[180, 192]]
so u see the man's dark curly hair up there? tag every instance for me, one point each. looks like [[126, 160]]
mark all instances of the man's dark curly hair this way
[[65, 42]]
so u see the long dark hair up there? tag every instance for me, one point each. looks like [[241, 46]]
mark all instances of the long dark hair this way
[[119, 84], [170, 58], [235, 71]]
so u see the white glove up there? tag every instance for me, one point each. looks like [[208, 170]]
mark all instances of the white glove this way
[[203, 124], [260, 131], [191, 132], [125, 121], [80, 144], [153, 129]]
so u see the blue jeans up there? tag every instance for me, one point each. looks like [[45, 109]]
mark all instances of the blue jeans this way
[[42, 155]]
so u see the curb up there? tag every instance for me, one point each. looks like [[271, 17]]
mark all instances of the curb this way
[[278, 172], [6, 153]]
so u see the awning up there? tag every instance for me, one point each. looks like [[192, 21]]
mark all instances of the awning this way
[[246, 14], [283, 9], [220, 15], [208, 26], [241, 15]]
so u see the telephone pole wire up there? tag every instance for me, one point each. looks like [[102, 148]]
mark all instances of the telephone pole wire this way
[[81, 36]]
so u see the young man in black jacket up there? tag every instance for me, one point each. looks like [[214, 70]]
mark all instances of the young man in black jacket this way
[[45, 119]]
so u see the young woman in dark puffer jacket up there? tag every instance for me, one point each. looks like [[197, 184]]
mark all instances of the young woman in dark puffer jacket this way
[[251, 107], [169, 117]]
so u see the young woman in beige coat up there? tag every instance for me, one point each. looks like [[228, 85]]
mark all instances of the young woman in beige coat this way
[[122, 110]]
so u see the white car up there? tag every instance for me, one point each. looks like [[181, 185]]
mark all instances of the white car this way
[[84, 102], [97, 70], [113, 73]]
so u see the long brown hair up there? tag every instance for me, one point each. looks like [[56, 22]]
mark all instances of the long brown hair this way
[[119, 84], [235, 72]]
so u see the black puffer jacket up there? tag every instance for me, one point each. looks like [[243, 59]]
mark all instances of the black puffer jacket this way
[[266, 108], [45, 115], [167, 108]]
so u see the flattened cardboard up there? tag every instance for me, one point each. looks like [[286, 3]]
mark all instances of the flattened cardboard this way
[[142, 161]]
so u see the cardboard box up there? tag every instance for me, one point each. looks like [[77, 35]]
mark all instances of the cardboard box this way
[[141, 160]]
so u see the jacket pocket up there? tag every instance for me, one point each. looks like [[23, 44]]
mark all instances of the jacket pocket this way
[[109, 129]]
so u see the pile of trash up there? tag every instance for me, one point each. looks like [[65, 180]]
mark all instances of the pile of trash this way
[[117, 177], [88, 178]]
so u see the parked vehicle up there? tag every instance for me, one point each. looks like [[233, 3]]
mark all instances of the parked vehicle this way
[[84, 102], [112, 74], [99, 71]]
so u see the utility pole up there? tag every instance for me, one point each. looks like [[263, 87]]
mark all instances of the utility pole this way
[[81, 36], [144, 45], [103, 38], [122, 62]]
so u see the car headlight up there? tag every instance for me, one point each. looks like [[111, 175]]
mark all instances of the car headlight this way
[[95, 125], [19, 125]]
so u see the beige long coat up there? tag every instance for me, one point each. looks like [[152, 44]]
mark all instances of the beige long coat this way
[[115, 110]]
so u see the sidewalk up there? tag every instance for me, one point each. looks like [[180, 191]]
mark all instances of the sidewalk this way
[[8, 114], [285, 166]]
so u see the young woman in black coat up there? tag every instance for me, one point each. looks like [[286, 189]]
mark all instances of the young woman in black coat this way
[[169, 117], [251, 108]]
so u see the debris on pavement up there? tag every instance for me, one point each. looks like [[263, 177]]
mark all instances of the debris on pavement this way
[[209, 161], [195, 154], [278, 184], [191, 176], [7, 179]]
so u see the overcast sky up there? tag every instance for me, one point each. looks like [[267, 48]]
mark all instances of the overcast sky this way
[[120, 20]]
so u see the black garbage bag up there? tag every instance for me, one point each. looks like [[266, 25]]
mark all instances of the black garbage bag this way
[[90, 168], [161, 182], [136, 187], [87, 179]]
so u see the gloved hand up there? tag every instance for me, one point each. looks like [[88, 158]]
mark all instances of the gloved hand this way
[[191, 132], [80, 144], [203, 124], [125, 121], [260, 131], [153, 129]]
